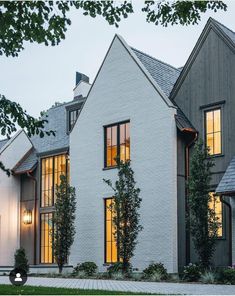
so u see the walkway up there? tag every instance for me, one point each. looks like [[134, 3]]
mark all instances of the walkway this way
[[130, 286]]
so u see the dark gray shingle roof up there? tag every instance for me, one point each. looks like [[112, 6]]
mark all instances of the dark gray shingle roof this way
[[165, 75], [226, 30], [227, 183], [3, 142], [57, 122], [28, 163]]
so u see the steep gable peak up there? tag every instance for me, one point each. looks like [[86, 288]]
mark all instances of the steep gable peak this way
[[227, 35]]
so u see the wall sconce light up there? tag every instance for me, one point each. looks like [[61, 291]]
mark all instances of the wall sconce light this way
[[27, 217]]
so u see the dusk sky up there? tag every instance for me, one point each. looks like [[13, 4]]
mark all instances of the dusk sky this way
[[42, 75]]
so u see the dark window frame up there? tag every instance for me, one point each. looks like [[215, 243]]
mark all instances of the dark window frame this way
[[205, 111], [105, 236], [70, 112], [105, 127], [49, 209], [40, 238], [223, 224]]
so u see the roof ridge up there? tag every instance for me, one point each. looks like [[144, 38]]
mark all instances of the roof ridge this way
[[155, 58], [214, 20]]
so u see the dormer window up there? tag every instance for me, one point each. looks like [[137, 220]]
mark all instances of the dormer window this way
[[73, 114]]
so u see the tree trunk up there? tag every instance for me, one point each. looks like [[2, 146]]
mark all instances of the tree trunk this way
[[60, 268]]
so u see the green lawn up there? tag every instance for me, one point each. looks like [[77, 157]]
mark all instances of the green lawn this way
[[30, 290]]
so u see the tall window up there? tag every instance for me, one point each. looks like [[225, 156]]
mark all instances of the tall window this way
[[51, 169], [117, 143], [72, 118], [46, 238], [213, 131], [217, 206], [110, 242]]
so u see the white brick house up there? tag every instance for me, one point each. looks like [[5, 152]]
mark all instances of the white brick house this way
[[123, 91], [137, 107]]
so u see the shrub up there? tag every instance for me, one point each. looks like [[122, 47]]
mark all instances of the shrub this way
[[208, 277], [227, 276], [117, 275], [136, 276], [117, 267], [191, 273], [88, 268], [21, 260], [155, 270]]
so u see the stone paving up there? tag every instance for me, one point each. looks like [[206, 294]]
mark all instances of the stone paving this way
[[130, 286]]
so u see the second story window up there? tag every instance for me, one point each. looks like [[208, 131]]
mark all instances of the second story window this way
[[51, 169], [73, 114], [117, 143], [213, 131]]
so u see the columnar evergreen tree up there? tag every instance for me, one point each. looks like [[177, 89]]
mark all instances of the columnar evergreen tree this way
[[203, 223], [63, 221], [125, 208]]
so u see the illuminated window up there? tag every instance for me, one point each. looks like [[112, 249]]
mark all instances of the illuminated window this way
[[110, 241], [46, 238], [72, 118], [117, 143], [52, 168], [213, 131], [217, 206]]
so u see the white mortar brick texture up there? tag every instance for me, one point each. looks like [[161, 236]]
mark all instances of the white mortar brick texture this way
[[122, 92]]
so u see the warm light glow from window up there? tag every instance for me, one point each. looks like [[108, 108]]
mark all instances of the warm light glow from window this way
[[117, 143], [110, 242], [213, 131], [216, 205], [52, 168], [46, 238]]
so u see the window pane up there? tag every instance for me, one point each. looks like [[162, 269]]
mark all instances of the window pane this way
[[46, 238], [209, 140], [217, 124], [117, 143], [128, 141], [217, 143], [209, 122], [216, 205], [110, 243], [114, 144]]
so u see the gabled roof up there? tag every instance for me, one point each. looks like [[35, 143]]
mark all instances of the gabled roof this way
[[227, 183], [3, 142], [57, 121], [226, 34], [164, 74], [226, 30]]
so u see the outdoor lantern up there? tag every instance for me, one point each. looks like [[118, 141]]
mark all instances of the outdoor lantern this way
[[27, 218]]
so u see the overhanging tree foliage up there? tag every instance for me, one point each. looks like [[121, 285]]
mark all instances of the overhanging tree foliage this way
[[202, 219], [125, 207], [47, 21], [64, 221]]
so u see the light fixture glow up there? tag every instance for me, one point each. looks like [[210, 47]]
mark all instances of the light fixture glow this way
[[27, 217]]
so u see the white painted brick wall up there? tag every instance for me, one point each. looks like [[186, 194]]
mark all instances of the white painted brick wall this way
[[122, 92]]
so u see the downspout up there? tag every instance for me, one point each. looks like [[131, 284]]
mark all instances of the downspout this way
[[187, 148], [230, 227], [35, 216]]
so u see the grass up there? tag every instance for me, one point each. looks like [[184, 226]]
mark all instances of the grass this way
[[31, 290]]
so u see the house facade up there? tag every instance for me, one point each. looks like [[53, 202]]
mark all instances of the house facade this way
[[137, 108]]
